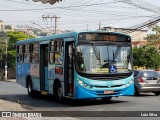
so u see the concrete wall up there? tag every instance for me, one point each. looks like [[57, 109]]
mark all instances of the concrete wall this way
[[12, 73]]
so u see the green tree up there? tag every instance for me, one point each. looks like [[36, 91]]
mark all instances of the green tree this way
[[146, 56], [137, 54], [2, 44], [154, 39], [152, 50], [2, 41], [14, 36], [2, 49], [156, 29]]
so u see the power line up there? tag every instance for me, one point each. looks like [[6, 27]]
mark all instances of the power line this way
[[52, 17], [95, 4]]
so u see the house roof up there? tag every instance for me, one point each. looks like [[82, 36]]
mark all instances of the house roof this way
[[48, 1]]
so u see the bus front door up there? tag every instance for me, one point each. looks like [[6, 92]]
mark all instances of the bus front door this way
[[44, 67], [68, 72]]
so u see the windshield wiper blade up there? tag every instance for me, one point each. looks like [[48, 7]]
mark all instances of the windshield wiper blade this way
[[117, 51], [96, 52]]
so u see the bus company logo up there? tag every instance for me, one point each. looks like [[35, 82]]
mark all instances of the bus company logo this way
[[109, 85], [97, 83], [6, 114]]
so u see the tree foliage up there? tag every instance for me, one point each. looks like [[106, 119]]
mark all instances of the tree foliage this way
[[156, 29], [2, 41], [153, 39], [13, 37], [147, 56]]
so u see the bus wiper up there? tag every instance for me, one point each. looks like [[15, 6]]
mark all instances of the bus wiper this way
[[96, 52], [117, 51]]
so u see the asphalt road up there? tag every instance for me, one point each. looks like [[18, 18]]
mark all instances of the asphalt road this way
[[11, 91]]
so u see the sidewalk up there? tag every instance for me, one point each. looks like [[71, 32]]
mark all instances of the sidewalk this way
[[7, 106], [11, 80], [10, 106], [8, 80]]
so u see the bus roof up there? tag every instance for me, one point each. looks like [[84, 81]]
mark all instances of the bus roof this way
[[65, 35], [47, 38]]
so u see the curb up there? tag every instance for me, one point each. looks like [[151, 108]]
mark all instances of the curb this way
[[8, 80], [11, 80]]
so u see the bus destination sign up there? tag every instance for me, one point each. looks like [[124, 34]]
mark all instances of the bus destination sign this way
[[104, 37]]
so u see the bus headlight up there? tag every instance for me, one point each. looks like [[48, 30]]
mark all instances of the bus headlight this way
[[83, 84], [80, 82], [128, 84]]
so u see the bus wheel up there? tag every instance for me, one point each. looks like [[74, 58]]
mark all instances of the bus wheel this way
[[106, 99], [157, 93], [59, 93], [30, 88]]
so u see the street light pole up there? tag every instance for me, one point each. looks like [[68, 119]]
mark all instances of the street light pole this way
[[6, 66], [3, 34]]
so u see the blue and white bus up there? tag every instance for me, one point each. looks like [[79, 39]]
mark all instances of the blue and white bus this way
[[77, 65]]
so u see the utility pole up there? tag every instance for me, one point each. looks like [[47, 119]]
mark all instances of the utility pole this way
[[6, 46], [6, 66], [87, 27], [52, 17], [40, 27], [99, 25]]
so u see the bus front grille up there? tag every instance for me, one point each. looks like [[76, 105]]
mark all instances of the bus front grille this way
[[109, 86]]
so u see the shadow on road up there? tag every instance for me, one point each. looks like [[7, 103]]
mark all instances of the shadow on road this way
[[30, 103], [144, 95]]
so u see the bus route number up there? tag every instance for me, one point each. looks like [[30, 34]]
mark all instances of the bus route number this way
[[110, 38]]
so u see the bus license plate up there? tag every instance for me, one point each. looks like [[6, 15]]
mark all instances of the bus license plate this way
[[108, 92]]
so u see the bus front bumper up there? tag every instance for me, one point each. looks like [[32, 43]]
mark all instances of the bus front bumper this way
[[83, 93]]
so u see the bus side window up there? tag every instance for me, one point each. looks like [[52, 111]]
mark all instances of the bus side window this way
[[31, 51], [35, 54], [18, 54], [51, 56], [56, 51], [26, 54], [23, 52]]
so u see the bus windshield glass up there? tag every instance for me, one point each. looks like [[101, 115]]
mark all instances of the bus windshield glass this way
[[103, 59]]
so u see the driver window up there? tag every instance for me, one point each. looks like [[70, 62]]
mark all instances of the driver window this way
[[80, 62]]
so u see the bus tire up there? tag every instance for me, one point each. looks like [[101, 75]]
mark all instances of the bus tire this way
[[30, 88], [157, 93], [106, 99], [59, 93]]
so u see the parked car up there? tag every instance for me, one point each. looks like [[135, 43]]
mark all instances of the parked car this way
[[146, 81]]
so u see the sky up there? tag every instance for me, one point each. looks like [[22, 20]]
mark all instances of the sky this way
[[79, 14]]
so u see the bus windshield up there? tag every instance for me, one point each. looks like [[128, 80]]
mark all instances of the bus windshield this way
[[102, 59]]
